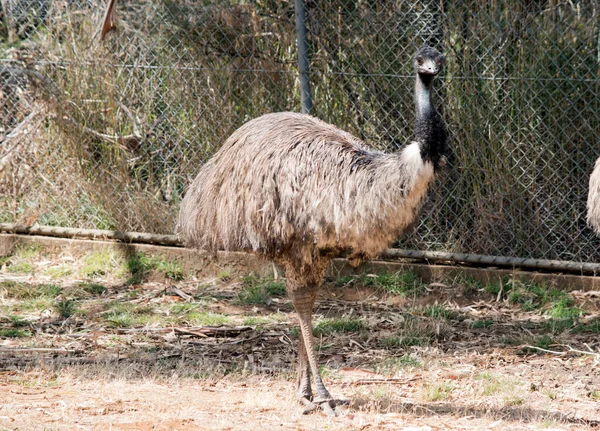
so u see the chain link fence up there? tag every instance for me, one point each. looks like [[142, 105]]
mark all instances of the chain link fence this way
[[107, 134]]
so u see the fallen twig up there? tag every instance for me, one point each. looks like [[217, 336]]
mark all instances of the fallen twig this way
[[181, 294], [34, 349], [393, 381], [554, 352], [202, 331], [188, 332]]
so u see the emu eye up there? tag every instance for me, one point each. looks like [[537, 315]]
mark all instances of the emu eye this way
[[420, 61]]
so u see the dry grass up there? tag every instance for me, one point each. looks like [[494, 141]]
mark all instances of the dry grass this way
[[121, 347]]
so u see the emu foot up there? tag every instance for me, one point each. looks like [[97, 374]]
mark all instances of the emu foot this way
[[328, 406]]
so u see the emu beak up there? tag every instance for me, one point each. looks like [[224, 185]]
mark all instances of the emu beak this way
[[429, 67]]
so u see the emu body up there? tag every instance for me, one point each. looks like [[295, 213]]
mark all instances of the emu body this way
[[301, 191], [593, 201], [290, 184]]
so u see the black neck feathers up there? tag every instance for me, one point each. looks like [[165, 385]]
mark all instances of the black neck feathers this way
[[430, 130]]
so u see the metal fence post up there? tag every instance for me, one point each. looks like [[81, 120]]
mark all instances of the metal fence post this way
[[302, 56]]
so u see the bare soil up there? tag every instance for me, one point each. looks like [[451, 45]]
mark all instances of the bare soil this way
[[468, 368]]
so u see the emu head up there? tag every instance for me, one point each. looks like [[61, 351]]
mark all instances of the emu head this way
[[429, 62]]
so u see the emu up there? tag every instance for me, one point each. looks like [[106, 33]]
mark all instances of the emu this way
[[593, 200], [300, 191]]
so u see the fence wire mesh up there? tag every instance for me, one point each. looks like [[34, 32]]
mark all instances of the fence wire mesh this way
[[107, 134]]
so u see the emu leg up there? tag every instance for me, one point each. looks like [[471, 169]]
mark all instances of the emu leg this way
[[323, 397], [302, 289], [303, 389]]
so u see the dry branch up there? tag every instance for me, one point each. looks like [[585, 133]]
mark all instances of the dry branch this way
[[33, 349], [559, 353], [201, 331], [392, 381]]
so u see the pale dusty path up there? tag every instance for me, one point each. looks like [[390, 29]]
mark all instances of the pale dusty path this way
[[38, 401]]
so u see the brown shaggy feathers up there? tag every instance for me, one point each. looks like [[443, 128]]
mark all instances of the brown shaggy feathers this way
[[593, 201], [288, 184]]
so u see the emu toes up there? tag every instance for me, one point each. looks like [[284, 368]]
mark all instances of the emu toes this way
[[329, 408], [309, 406], [342, 402]]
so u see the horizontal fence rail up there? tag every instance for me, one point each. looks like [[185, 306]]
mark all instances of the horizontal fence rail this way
[[392, 253], [107, 134]]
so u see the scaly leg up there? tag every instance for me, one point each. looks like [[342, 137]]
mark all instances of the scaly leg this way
[[302, 287], [323, 397], [303, 389]]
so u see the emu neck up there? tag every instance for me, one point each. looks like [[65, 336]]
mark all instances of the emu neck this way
[[423, 97], [430, 131]]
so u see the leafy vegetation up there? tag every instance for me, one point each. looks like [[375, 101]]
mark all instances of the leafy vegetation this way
[[14, 333], [338, 325], [18, 290], [400, 283], [66, 307], [138, 265], [99, 263], [437, 391], [93, 288], [481, 324], [256, 290]]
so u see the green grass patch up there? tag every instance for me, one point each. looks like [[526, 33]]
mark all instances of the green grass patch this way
[[531, 296], [95, 289], [340, 325], [496, 385], [124, 314], [21, 267], [100, 263], [592, 326], [15, 290], [259, 291], [401, 283], [14, 333], [391, 365], [437, 391], [224, 276], [513, 400], [58, 271], [23, 261], [438, 311], [207, 318], [65, 308], [542, 342], [493, 288], [414, 331], [478, 324], [184, 307], [171, 270], [38, 382], [491, 384], [406, 340], [469, 286], [34, 304], [564, 308], [119, 319], [138, 265], [18, 321], [343, 281], [4, 260]]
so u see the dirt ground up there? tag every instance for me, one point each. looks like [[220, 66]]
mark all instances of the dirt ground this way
[[445, 356]]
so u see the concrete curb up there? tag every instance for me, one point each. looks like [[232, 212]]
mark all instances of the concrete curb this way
[[204, 264]]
